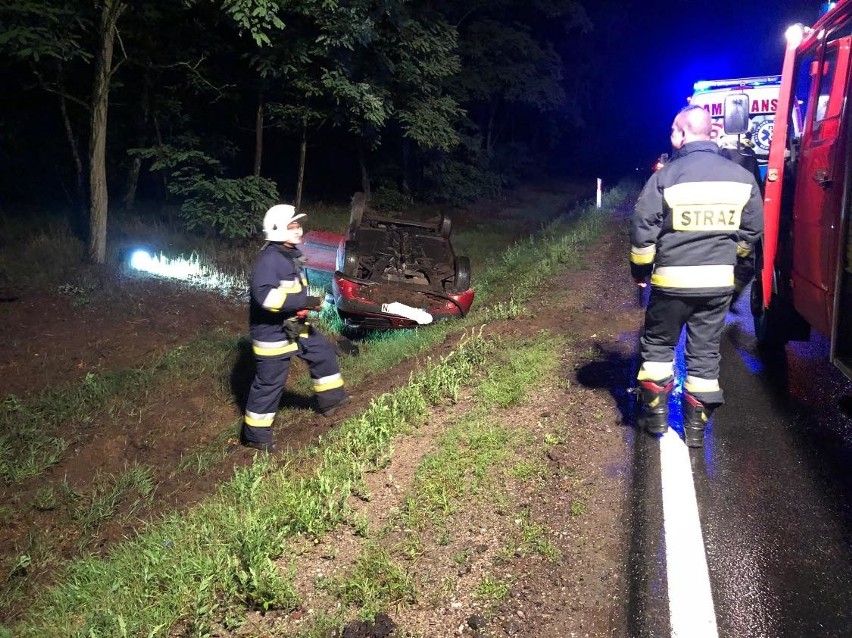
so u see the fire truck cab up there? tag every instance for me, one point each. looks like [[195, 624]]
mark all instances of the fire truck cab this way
[[804, 263]]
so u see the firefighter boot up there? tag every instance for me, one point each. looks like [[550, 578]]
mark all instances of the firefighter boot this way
[[695, 417], [654, 405]]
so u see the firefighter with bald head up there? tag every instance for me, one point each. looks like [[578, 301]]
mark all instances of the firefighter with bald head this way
[[279, 328], [691, 221]]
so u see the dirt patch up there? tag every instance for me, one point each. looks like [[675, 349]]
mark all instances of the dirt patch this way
[[52, 339]]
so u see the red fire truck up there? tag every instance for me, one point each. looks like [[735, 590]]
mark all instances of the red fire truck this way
[[804, 264]]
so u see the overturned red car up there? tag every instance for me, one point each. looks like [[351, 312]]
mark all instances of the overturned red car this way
[[397, 273]]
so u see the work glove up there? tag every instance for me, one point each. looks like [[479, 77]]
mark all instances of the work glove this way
[[640, 272]]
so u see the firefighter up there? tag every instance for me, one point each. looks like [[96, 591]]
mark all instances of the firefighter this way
[[741, 151], [279, 328], [691, 221]]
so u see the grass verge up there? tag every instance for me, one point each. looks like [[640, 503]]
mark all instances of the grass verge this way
[[505, 284]]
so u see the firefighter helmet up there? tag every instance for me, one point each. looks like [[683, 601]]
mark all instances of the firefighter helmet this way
[[275, 223]]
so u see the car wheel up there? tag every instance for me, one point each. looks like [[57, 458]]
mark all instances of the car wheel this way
[[461, 282], [350, 258], [446, 227]]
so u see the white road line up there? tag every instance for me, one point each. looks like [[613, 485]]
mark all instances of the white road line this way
[[690, 600]]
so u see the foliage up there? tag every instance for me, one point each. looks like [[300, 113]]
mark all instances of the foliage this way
[[38, 30], [450, 96], [389, 198], [257, 17], [455, 181], [231, 206]]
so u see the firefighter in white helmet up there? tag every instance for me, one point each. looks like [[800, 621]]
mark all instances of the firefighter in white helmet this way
[[279, 328]]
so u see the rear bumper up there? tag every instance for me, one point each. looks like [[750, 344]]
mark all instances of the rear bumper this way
[[359, 310]]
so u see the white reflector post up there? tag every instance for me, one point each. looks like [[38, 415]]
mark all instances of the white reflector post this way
[[600, 187]]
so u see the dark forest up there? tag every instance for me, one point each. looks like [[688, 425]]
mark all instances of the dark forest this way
[[220, 107]]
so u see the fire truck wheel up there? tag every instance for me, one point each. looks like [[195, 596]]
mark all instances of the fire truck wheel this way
[[769, 323]]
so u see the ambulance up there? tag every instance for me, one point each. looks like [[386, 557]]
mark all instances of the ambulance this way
[[757, 101]]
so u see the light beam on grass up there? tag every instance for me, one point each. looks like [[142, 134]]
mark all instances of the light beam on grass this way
[[184, 268]]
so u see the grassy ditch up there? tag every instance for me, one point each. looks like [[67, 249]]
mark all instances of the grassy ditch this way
[[224, 569], [233, 554], [220, 555]]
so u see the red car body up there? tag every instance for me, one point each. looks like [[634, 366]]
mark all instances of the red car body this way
[[385, 265]]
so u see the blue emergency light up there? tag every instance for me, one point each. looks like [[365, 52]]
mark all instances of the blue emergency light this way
[[736, 83], [825, 7]]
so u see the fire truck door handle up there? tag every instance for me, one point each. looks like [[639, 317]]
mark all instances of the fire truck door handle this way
[[821, 177]]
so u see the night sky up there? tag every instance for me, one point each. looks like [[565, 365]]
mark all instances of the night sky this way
[[669, 45]]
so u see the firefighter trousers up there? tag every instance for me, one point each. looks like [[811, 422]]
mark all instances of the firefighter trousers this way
[[271, 376], [704, 318]]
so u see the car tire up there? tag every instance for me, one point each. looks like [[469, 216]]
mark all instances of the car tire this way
[[461, 281], [350, 258], [445, 227]]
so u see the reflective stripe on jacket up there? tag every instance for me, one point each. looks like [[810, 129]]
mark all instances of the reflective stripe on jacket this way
[[278, 290], [692, 218]]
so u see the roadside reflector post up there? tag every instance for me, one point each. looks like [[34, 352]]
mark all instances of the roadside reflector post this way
[[600, 187]]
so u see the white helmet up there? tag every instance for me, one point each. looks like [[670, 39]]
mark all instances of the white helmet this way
[[275, 223]]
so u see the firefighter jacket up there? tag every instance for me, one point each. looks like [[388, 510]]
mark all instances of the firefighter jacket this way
[[278, 290], [692, 219]]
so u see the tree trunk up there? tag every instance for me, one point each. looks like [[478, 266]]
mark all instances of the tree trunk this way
[[258, 136], [365, 175], [303, 151], [489, 136], [99, 198]]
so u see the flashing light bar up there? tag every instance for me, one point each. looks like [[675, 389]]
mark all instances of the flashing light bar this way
[[825, 7], [736, 83]]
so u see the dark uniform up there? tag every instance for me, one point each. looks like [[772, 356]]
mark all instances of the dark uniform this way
[[745, 156], [692, 219], [278, 293]]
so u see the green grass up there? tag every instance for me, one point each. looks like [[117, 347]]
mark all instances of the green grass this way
[[220, 553], [491, 591], [376, 583], [466, 465], [131, 490]]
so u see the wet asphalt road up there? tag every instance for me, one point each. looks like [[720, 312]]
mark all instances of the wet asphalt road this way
[[774, 492]]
